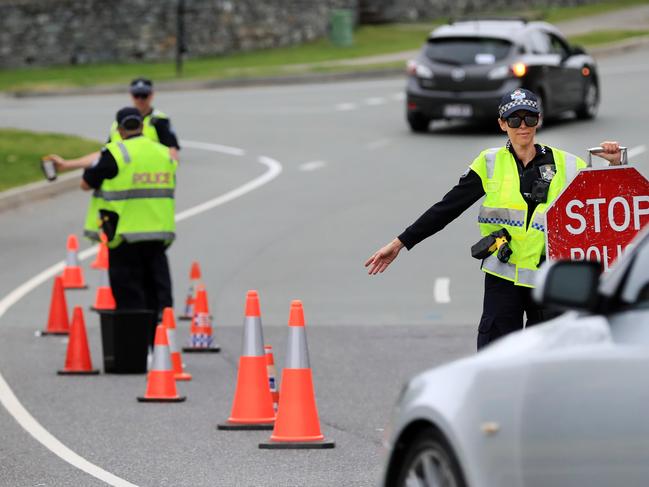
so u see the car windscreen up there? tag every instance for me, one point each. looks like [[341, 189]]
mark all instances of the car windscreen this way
[[467, 50]]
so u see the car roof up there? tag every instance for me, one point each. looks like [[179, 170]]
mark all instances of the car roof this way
[[509, 29]]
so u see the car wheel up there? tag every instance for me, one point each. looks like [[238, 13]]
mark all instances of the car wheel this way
[[429, 461], [418, 123], [588, 108]]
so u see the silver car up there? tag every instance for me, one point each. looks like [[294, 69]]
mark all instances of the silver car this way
[[565, 403]]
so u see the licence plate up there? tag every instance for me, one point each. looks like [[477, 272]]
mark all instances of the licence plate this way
[[458, 110]]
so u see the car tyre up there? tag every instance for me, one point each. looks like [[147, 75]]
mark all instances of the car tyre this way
[[588, 108], [418, 123], [430, 461]]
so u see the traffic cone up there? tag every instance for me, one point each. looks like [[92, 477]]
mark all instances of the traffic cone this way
[[73, 273], [57, 322], [252, 407], [104, 298], [194, 281], [272, 374], [101, 261], [161, 386], [176, 360], [297, 425], [201, 329], [77, 358]]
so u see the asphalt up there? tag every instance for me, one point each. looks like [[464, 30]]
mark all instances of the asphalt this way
[[303, 235]]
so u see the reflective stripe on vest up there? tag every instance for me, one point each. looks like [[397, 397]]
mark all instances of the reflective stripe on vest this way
[[538, 222], [129, 194], [490, 159], [142, 236], [525, 277], [502, 216]]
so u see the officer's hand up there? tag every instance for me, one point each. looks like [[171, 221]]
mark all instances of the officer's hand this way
[[612, 152], [383, 257], [59, 162]]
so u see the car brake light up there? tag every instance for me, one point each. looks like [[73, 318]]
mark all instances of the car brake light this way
[[585, 71], [519, 69]]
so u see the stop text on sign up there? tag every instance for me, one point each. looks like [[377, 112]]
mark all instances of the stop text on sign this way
[[618, 213]]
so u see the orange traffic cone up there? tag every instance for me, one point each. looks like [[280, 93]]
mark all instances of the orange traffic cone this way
[[272, 374], [297, 424], [104, 298], [201, 329], [57, 322], [77, 358], [194, 281], [73, 273], [101, 261], [176, 360], [161, 386], [252, 407]]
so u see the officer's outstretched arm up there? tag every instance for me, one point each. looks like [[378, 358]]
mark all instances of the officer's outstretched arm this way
[[82, 162], [383, 257]]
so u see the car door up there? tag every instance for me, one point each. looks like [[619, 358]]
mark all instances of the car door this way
[[568, 75], [585, 415]]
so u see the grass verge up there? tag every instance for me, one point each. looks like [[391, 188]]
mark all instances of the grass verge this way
[[606, 36], [21, 150]]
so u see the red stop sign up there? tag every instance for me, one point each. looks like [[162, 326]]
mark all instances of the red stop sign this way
[[597, 215]]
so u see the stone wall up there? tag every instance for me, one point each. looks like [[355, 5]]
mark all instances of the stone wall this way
[[377, 11], [49, 32]]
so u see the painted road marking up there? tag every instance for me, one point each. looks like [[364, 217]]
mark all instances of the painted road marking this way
[[442, 290], [636, 151], [312, 165], [377, 144], [375, 101], [345, 107], [399, 96], [7, 397]]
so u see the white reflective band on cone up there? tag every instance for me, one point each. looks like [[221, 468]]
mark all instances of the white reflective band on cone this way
[[71, 259], [253, 338], [171, 337], [161, 358], [297, 355], [104, 280]]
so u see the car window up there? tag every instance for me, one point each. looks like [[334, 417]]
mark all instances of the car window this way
[[467, 50], [557, 46]]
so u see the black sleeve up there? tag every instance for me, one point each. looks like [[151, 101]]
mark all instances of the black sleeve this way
[[104, 168], [166, 134], [466, 192]]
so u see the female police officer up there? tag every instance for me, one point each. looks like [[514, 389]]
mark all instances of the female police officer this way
[[519, 182]]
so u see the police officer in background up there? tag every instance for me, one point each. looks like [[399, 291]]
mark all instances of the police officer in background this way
[[135, 179], [519, 182]]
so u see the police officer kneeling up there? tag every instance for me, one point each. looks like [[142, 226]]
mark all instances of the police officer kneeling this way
[[135, 178], [519, 182]]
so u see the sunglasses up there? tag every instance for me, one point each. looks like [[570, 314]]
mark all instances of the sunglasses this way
[[141, 96], [515, 121]]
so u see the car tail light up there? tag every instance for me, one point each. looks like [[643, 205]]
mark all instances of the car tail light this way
[[585, 71], [519, 69], [413, 68]]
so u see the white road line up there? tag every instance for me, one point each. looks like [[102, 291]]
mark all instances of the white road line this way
[[312, 165], [223, 149], [345, 107], [377, 144], [442, 290], [399, 96], [375, 101], [7, 397], [636, 151]]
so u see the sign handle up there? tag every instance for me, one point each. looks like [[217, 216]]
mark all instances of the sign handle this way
[[598, 150]]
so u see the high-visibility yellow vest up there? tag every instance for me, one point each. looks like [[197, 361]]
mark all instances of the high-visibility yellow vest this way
[[505, 207], [142, 193], [91, 226]]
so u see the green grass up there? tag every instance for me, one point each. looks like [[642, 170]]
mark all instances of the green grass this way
[[562, 14], [368, 41], [606, 36], [21, 150]]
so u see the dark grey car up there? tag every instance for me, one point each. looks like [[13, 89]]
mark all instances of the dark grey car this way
[[464, 68]]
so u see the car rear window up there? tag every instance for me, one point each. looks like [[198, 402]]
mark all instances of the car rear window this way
[[467, 50]]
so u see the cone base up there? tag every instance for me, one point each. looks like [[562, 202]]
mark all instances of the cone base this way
[[215, 349], [297, 445], [97, 310], [54, 333], [162, 399], [78, 372], [184, 318], [229, 426], [183, 376], [72, 288]]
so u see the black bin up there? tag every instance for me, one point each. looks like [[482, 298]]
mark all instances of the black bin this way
[[125, 340]]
